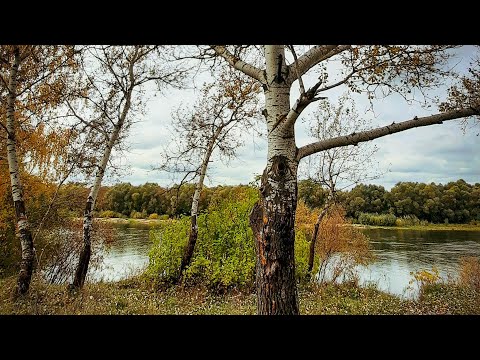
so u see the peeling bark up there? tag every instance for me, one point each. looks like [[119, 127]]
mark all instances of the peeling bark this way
[[272, 221], [273, 217]]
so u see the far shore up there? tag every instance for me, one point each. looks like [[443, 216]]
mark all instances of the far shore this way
[[444, 227]]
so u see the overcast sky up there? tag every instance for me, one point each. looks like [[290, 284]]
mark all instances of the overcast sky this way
[[438, 153]]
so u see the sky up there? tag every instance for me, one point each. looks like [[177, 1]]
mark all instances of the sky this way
[[437, 153]]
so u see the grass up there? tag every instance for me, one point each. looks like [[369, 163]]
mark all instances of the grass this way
[[136, 296]]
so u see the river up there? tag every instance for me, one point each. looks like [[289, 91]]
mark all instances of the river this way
[[397, 254]]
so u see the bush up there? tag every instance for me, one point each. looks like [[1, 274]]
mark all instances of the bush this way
[[163, 217], [108, 214], [377, 219], [224, 254], [302, 253], [153, 216], [138, 215], [340, 248], [470, 272], [166, 253], [305, 220], [410, 220], [425, 279]]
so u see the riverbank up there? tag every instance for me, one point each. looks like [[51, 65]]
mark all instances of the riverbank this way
[[428, 227], [135, 222], [136, 296]]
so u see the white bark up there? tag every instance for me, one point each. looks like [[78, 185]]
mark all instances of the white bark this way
[[203, 172], [312, 57], [368, 135], [17, 189], [239, 64], [281, 139], [23, 229], [11, 141]]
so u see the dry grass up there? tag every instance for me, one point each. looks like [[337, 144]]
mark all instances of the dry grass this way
[[470, 272], [135, 296]]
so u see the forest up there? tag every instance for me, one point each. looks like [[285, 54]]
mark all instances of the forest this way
[[66, 119]]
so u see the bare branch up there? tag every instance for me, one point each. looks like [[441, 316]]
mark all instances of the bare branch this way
[[299, 77], [239, 64]]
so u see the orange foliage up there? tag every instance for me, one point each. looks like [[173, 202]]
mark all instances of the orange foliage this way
[[348, 245], [470, 272], [305, 219]]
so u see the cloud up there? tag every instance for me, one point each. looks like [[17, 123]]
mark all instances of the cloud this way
[[438, 153]]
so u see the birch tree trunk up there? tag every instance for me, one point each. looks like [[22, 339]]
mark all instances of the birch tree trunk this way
[[23, 229], [192, 239], [272, 218], [84, 260]]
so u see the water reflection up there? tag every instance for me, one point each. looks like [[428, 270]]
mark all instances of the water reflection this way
[[400, 252], [127, 255]]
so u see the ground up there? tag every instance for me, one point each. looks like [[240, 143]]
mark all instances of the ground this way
[[137, 296]]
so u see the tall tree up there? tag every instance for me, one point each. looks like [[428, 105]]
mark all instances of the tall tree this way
[[338, 168], [378, 69], [226, 108], [116, 77], [32, 79]]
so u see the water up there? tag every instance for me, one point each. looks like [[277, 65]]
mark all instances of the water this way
[[398, 253], [127, 255]]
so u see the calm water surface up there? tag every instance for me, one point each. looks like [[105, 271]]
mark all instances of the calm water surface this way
[[398, 252]]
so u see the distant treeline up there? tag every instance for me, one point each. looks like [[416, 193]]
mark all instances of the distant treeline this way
[[454, 202]]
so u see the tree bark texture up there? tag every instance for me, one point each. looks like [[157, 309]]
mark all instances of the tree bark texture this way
[[273, 217], [22, 229], [192, 239]]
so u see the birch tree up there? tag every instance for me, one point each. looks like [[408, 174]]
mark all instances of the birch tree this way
[[116, 77], [378, 70], [225, 109], [338, 168], [31, 80]]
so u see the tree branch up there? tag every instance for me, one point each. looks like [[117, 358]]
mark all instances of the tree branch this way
[[355, 138], [239, 64], [299, 77], [312, 57], [302, 102]]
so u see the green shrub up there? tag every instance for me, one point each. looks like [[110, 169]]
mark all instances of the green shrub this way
[[377, 219], [302, 254], [166, 252], [410, 220], [138, 215], [224, 253], [108, 214], [163, 217], [153, 216]]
